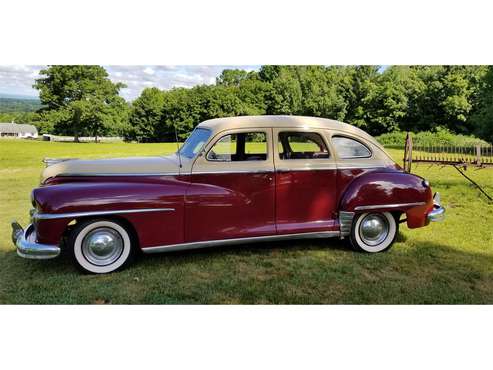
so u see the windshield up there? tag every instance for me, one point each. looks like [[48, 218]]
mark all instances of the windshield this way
[[195, 142]]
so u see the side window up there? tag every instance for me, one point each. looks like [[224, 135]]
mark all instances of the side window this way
[[244, 146], [302, 145], [350, 148]]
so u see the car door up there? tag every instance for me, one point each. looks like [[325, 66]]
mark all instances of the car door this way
[[306, 176], [232, 191]]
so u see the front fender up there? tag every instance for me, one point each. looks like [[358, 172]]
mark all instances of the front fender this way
[[110, 197], [390, 191]]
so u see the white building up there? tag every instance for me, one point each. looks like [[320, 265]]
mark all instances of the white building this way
[[21, 131]]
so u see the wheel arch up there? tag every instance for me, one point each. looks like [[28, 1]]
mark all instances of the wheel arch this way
[[391, 191], [127, 225]]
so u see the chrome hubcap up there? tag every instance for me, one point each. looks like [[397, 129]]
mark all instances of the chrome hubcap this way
[[374, 229], [102, 246]]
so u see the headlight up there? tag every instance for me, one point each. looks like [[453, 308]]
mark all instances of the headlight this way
[[426, 183]]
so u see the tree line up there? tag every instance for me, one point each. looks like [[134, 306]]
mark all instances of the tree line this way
[[83, 101]]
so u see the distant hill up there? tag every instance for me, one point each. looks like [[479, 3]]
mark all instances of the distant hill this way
[[25, 104], [18, 96]]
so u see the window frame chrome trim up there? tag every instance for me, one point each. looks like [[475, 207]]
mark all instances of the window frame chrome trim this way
[[309, 131], [236, 133], [235, 241], [54, 216]]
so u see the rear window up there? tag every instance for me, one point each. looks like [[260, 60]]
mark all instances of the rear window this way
[[350, 148]]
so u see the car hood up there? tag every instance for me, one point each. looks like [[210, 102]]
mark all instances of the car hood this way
[[114, 166]]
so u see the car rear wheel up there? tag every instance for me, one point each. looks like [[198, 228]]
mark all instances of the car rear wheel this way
[[100, 246], [374, 232]]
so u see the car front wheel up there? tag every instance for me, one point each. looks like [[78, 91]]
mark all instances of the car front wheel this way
[[374, 232], [100, 246]]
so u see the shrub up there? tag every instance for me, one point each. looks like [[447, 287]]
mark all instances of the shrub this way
[[441, 136]]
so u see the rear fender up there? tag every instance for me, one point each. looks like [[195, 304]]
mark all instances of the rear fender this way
[[397, 192]]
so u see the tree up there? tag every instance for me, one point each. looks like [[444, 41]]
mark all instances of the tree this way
[[253, 93], [321, 93], [146, 115], [447, 97], [285, 95], [269, 73], [483, 118], [231, 77], [356, 85], [82, 100], [182, 111], [386, 102]]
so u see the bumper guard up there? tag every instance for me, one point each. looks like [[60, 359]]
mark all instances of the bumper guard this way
[[438, 212], [27, 246]]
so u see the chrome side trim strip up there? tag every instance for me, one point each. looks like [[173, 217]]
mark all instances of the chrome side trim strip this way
[[51, 161], [345, 222], [216, 243], [295, 169], [52, 216], [362, 208], [231, 172], [355, 167], [122, 174]]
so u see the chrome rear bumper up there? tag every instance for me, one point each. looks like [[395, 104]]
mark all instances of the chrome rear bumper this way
[[438, 212], [27, 247]]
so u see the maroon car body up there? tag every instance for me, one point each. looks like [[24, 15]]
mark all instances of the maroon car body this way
[[225, 186]]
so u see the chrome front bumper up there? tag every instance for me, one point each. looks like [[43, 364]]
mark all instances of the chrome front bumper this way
[[27, 246], [438, 212]]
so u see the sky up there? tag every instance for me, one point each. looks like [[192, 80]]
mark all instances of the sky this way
[[18, 79]]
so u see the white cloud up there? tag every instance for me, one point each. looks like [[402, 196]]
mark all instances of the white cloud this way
[[18, 79], [149, 71]]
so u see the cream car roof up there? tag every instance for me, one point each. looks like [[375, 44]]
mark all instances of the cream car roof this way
[[220, 124]]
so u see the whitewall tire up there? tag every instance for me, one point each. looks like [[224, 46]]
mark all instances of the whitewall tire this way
[[374, 232], [100, 246]]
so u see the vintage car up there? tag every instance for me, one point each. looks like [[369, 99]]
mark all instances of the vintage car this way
[[234, 181]]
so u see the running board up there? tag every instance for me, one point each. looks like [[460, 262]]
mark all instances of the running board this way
[[256, 239]]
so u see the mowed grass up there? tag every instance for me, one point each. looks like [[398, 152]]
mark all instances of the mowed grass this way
[[450, 262]]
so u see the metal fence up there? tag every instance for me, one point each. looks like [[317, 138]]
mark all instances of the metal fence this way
[[460, 157], [479, 155], [82, 139]]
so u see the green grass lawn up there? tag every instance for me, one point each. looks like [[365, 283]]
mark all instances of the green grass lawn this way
[[450, 262]]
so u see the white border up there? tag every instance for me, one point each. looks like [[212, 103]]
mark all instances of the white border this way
[[246, 337], [251, 32]]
